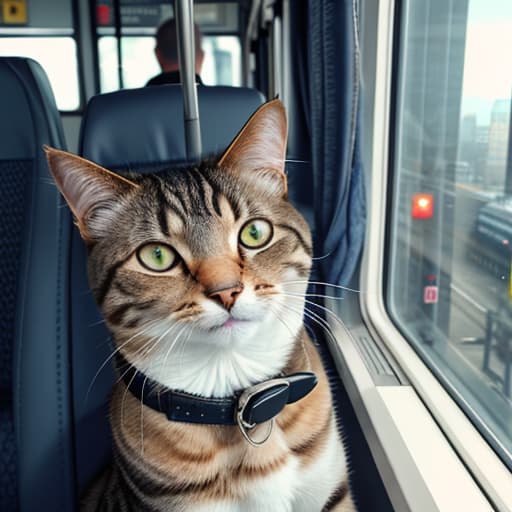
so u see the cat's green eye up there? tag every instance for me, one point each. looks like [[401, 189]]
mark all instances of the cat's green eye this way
[[157, 257], [256, 233]]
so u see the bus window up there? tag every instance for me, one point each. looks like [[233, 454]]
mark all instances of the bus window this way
[[45, 32], [221, 65], [57, 56], [449, 281], [222, 60], [221, 43]]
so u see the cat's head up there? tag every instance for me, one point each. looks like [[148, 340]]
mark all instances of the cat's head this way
[[202, 262]]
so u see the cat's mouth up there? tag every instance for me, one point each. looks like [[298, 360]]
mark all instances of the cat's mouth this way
[[233, 322], [230, 324]]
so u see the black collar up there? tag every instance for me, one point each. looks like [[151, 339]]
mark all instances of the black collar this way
[[247, 408]]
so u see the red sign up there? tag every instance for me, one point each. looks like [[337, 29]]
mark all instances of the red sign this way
[[430, 294], [103, 15]]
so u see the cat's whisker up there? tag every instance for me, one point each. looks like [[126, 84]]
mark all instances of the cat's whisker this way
[[130, 365], [338, 286], [288, 328], [327, 310], [123, 399], [155, 344], [321, 322], [315, 295], [107, 340], [142, 360], [48, 181], [171, 346], [142, 417], [184, 343], [292, 160], [183, 346], [317, 319], [321, 257], [307, 327], [141, 350], [276, 314], [109, 358], [305, 313], [160, 338], [99, 322], [314, 318]]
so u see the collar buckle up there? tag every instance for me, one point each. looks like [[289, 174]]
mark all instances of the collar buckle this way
[[259, 404]]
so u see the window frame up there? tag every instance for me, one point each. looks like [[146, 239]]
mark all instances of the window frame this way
[[481, 461]]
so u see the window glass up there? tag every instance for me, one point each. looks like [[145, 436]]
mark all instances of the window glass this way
[[57, 56], [107, 51], [222, 60], [449, 280], [221, 65]]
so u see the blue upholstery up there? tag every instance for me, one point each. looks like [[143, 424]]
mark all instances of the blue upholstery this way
[[35, 408], [15, 177], [139, 129]]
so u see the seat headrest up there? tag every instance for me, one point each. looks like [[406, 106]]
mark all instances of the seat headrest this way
[[29, 113], [141, 127]]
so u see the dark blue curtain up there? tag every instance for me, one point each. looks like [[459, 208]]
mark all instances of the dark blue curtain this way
[[333, 112], [324, 108]]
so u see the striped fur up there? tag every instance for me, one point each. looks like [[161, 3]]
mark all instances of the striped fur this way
[[172, 326]]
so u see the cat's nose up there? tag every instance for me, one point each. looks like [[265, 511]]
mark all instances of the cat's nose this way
[[226, 296]]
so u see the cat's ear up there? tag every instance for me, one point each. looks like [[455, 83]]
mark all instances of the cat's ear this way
[[92, 192], [260, 147]]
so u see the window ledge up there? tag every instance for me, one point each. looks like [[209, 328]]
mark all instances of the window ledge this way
[[419, 468]]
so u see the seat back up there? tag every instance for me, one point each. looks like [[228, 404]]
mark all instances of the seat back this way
[[144, 127], [139, 129], [36, 466]]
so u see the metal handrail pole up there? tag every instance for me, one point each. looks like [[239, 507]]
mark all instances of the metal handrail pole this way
[[184, 13]]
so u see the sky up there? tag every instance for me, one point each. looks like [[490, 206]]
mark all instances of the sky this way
[[488, 57]]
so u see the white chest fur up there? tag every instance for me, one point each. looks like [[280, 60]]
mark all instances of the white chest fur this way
[[293, 488]]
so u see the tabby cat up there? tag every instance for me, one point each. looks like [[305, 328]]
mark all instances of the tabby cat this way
[[201, 275]]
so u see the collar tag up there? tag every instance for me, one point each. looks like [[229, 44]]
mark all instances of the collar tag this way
[[261, 403]]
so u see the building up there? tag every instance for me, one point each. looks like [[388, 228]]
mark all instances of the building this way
[[497, 148]]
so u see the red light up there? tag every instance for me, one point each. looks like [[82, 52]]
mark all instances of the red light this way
[[103, 14], [422, 206]]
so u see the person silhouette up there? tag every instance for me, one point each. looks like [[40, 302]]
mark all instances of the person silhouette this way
[[166, 52]]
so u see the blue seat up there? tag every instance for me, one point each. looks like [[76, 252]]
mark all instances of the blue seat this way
[[138, 129], [35, 409], [144, 127], [54, 432]]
